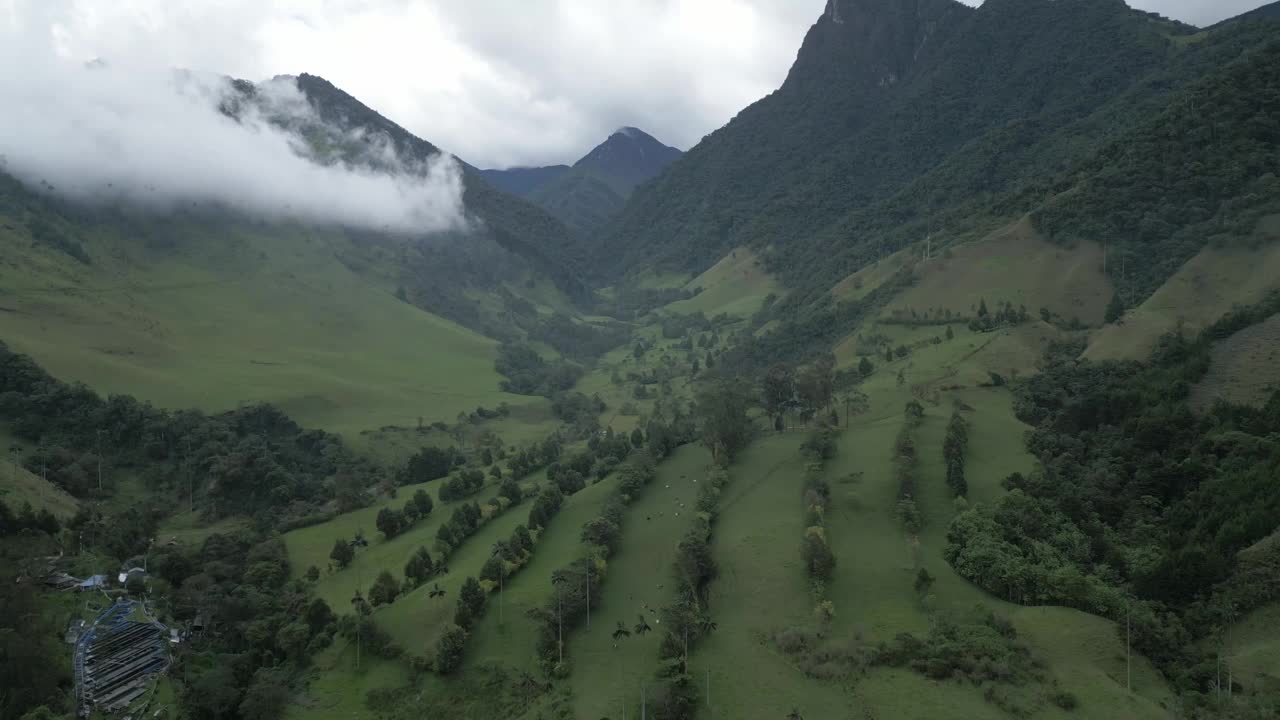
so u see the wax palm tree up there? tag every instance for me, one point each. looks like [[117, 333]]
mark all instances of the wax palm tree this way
[[620, 631], [559, 578], [499, 551], [358, 602], [642, 626], [794, 715], [436, 591]]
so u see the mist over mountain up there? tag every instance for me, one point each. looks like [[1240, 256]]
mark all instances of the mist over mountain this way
[[106, 133]]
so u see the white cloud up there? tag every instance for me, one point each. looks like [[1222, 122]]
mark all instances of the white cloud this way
[[153, 136], [498, 82]]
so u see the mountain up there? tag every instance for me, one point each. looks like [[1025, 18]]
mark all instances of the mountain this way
[[596, 187], [1263, 13], [176, 305], [523, 181], [514, 224], [905, 118]]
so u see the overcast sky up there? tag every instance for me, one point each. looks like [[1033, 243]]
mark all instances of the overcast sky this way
[[497, 82]]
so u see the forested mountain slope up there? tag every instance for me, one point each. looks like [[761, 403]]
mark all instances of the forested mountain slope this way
[[341, 326], [907, 118], [595, 189]]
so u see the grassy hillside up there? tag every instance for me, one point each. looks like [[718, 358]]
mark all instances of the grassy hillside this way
[[1012, 265], [1244, 368], [18, 487], [736, 285], [224, 317], [1201, 291]]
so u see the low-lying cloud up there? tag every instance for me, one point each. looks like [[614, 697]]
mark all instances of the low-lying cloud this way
[[156, 137]]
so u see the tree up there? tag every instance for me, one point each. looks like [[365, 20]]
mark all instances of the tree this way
[[384, 590], [816, 553], [778, 389], [342, 553], [313, 574], [865, 367], [721, 410], [982, 308], [389, 522], [423, 502], [449, 649], [470, 603], [950, 333], [419, 567], [429, 463], [510, 489], [888, 354], [267, 697], [637, 438], [1115, 308], [924, 582], [816, 383]]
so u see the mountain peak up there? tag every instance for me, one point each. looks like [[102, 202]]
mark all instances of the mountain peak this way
[[629, 154]]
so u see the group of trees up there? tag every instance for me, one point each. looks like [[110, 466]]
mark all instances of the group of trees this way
[[954, 448], [391, 522], [815, 550], [27, 519], [1141, 507], [689, 619], [577, 585], [429, 463], [263, 628], [528, 459], [1006, 314], [725, 427], [802, 393], [904, 469], [253, 461], [463, 483], [528, 373]]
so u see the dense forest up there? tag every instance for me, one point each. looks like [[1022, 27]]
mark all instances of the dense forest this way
[[1140, 508]]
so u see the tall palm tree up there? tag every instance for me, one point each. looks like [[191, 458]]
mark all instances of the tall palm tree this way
[[357, 601], [794, 715], [620, 631], [642, 626], [706, 625], [499, 550], [558, 578]]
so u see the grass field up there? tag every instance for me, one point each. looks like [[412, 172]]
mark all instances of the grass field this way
[[337, 689], [218, 320], [311, 545], [512, 643], [736, 285], [18, 487], [1253, 647], [187, 528], [605, 678], [1202, 290], [1243, 369], [761, 587], [1013, 265], [861, 283]]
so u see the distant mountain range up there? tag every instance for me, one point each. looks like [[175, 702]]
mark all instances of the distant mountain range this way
[[589, 193]]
